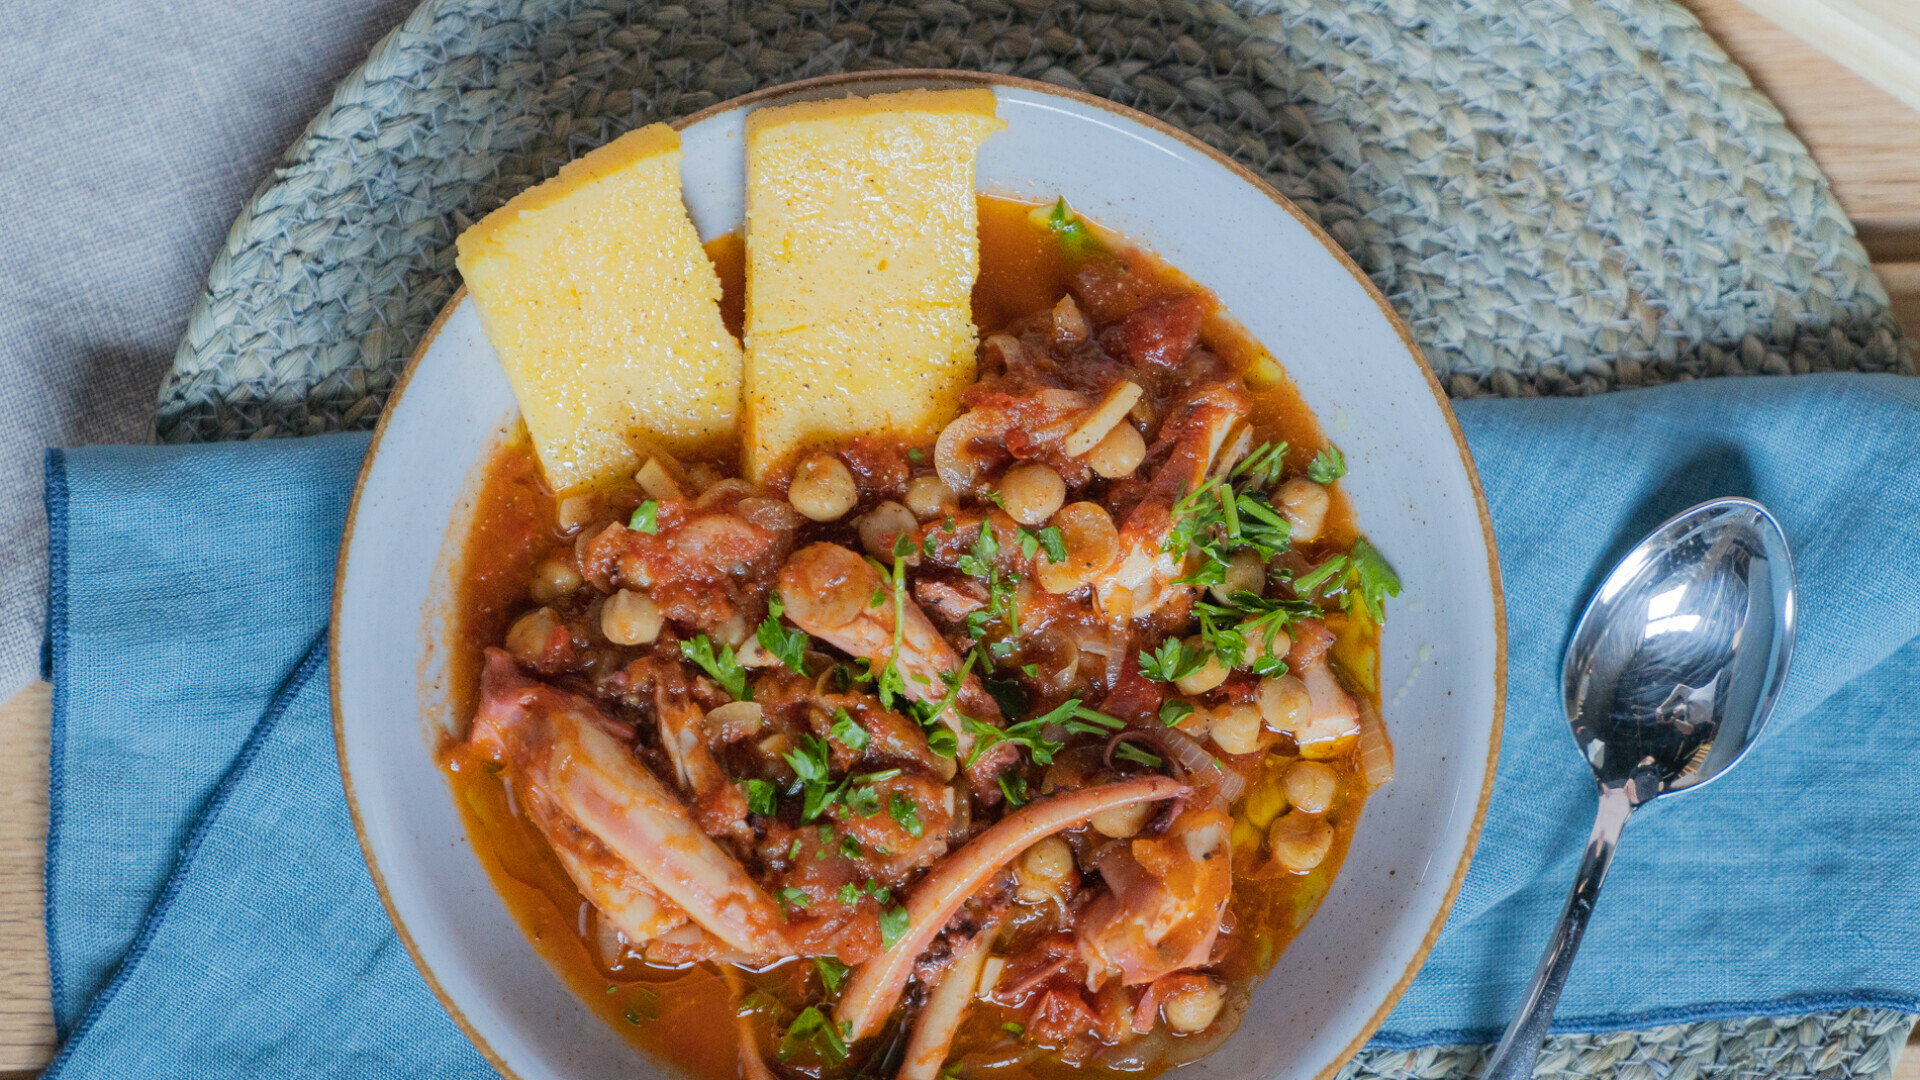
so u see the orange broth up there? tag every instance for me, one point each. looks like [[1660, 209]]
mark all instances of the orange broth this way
[[684, 1017]]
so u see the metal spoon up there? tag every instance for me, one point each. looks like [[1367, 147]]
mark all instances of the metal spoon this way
[[1669, 677]]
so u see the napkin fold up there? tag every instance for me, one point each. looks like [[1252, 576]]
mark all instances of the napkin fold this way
[[208, 912]]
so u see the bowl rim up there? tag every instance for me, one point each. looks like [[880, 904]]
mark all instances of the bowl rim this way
[[988, 80]]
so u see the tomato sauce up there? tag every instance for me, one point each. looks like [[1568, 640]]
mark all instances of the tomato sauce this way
[[685, 1018]]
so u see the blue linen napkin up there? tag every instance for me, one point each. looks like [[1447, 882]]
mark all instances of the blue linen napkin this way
[[208, 913]]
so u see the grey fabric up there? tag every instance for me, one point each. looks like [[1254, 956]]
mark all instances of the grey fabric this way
[[130, 132]]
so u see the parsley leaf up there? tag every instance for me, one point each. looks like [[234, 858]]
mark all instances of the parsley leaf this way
[[832, 972], [893, 925], [1014, 1028], [1321, 575], [943, 742], [1126, 751], [863, 800], [850, 894], [793, 899], [759, 797], [724, 666], [788, 646], [907, 813], [1175, 711], [849, 732], [849, 847], [1261, 468], [1326, 466], [646, 518], [1014, 787], [1171, 661], [813, 1027], [1053, 544], [1376, 577]]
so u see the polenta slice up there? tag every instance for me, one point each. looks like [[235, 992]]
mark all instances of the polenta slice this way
[[604, 308], [862, 249]]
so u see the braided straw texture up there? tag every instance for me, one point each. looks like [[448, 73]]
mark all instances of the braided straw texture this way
[[1559, 196]]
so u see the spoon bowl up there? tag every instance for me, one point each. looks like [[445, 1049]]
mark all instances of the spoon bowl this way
[[1669, 678], [1678, 658]]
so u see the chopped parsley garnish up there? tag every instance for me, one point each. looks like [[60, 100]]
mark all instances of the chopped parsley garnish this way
[[905, 811], [850, 847], [793, 899], [1053, 544], [1014, 1028], [1175, 711], [832, 972], [723, 666], [1260, 469], [1014, 787], [849, 732], [788, 646], [850, 894], [1326, 466], [646, 518], [893, 925], [759, 797], [1171, 661], [1376, 578], [916, 455], [1320, 575], [1074, 717], [979, 561], [1072, 232], [813, 1028], [1126, 751], [891, 681], [863, 800], [943, 742]]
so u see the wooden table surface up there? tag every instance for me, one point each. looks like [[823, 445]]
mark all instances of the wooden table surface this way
[[1868, 143]]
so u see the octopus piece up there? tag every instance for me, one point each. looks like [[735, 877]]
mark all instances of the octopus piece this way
[[1333, 713], [555, 744], [1168, 896], [1195, 444], [1002, 428], [829, 591], [946, 1007], [876, 985], [707, 564]]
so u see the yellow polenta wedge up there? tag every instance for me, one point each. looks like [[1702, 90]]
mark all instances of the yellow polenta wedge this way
[[604, 308], [862, 248]]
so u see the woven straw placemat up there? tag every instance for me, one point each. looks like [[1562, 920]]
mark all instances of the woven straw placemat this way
[[1559, 196]]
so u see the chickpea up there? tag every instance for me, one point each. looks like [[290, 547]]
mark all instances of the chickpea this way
[[575, 511], [881, 526], [1304, 504], [929, 497], [1300, 841], [822, 488], [1236, 729], [527, 639], [1262, 645], [1211, 674], [554, 578], [1284, 703], [1032, 493], [630, 618], [1122, 822], [1092, 544], [1043, 869], [1194, 1008], [1310, 786], [1246, 572], [1119, 453]]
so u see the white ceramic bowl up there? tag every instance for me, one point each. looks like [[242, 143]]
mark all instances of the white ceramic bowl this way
[[1412, 484]]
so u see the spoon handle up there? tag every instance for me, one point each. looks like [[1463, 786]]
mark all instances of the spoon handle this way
[[1513, 1058]]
